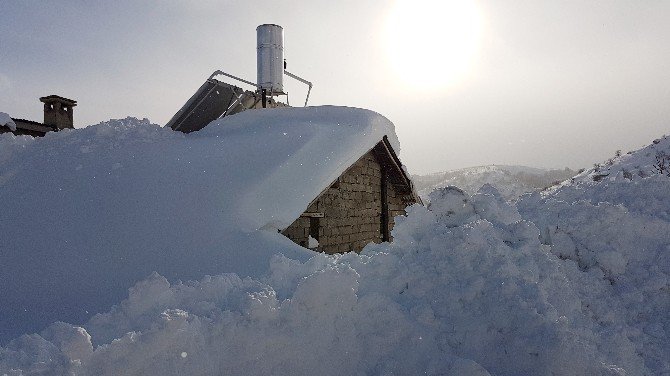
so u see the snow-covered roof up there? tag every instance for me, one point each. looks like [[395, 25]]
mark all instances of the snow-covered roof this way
[[294, 154], [98, 208], [6, 121]]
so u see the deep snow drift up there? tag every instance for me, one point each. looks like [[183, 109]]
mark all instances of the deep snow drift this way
[[87, 213], [561, 284]]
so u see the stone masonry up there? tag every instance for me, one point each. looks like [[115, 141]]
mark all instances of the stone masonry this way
[[351, 210]]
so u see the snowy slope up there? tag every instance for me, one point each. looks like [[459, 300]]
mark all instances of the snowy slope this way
[[463, 290], [613, 221], [560, 283], [89, 212], [620, 179], [510, 181]]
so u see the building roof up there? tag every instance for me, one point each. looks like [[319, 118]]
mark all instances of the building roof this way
[[58, 98], [33, 126], [389, 159], [26, 121], [300, 152]]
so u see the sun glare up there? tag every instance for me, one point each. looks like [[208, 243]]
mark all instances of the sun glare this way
[[432, 43]]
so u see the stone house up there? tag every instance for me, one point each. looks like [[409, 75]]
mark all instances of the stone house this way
[[58, 115], [359, 207]]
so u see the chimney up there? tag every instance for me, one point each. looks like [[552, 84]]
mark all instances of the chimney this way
[[58, 111]]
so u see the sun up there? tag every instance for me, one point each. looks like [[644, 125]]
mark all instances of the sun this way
[[432, 43]]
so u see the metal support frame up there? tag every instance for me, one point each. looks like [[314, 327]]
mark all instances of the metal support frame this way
[[218, 72], [264, 92], [238, 99], [309, 84]]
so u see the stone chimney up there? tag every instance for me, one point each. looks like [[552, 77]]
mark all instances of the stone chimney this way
[[58, 111]]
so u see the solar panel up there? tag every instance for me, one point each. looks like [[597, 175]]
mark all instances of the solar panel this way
[[214, 99]]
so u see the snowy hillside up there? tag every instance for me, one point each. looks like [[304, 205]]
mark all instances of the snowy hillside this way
[[622, 177], [510, 181], [571, 281]]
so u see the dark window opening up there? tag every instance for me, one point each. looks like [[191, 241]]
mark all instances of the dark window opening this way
[[314, 228]]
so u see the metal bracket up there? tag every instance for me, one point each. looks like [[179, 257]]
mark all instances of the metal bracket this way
[[238, 99], [309, 84], [218, 72]]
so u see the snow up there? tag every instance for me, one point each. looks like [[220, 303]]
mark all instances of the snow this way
[[511, 181], [614, 221], [6, 121], [311, 242], [95, 210], [620, 179], [562, 282]]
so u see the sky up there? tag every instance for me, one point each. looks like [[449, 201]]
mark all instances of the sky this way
[[548, 84]]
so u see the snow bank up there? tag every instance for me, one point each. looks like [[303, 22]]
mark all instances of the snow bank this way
[[613, 221], [478, 295], [473, 285], [6, 121], [94, 210]]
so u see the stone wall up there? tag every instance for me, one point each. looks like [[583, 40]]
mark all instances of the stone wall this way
[[351, 209]]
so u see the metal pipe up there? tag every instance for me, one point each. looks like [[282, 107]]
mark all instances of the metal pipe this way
[[238, 99], [308, 91], [309, 84], [218, 72]]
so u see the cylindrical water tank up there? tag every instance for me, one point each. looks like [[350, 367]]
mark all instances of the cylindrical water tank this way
[[270, 58]]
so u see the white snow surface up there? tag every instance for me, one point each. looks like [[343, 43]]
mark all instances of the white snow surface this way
[[615, 181], [559, 283], [510, 181], [89, 212], [6, 121]]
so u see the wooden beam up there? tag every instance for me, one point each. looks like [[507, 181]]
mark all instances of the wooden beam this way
[[384, 220]]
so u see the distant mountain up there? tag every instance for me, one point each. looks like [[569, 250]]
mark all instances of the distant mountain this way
[[511, 181]]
